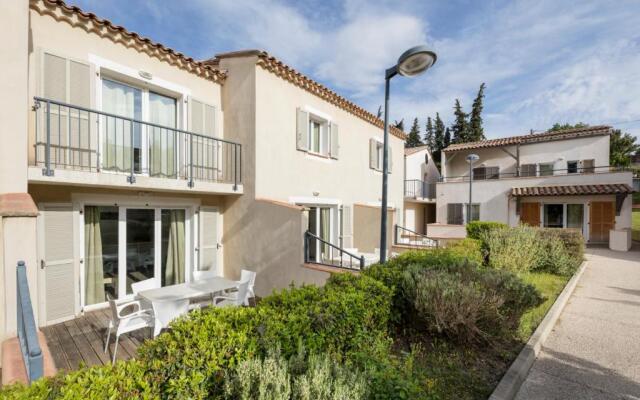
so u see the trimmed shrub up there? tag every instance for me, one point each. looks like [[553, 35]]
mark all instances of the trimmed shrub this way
[[477, 229], [514, 249], [562, 251], [469, 249]]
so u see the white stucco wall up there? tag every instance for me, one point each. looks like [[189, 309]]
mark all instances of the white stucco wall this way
[[416, 167]]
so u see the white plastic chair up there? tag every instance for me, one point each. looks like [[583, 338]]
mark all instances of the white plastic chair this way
[[233, 299], [125, 323], [140, 286], [246, 275]]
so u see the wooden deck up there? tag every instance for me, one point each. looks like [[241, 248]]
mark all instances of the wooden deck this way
[[80, 341]]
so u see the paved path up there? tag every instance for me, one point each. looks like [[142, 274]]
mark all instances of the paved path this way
[[594, 350]]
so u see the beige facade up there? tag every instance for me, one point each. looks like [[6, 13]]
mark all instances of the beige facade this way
[[421, 175], [560, 162], [112, 136]]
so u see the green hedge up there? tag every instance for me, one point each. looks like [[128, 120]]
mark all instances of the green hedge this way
[[346, 318], [476, 229]]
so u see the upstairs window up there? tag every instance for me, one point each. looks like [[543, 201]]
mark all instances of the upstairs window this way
[[572, 167], [545, 169], [316, 135], [473, 213], [483, 173], [528, 170], [588, 166], [376, 156]]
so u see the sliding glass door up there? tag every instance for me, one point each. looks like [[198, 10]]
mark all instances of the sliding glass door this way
[[320, 225], [125, 245]]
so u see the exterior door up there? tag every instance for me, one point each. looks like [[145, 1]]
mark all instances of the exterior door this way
[[57, 264], [530, 214], [209, 240], [602, 216]]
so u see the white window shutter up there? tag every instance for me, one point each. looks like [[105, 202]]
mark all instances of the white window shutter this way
[[390, 159], [373, 154], [54, 85], [209, 120], [208, 239], [58, 261], [347, 232], [302, 130], [79, 84], [335, 141], [196, 119]]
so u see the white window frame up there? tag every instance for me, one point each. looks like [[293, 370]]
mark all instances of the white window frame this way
[[539, 169], [577, 167]]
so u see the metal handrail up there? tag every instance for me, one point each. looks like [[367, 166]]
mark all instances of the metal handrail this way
[[424, 238], [416, 188], [552, 172], [188, 150], [27, 331], [308, 237]]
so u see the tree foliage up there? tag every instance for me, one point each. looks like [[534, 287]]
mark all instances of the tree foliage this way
[[413, 138], [460, 127], [476, 132], [429, 134], [621, 147]]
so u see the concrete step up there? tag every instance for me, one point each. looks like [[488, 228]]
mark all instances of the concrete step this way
[[13, 370]]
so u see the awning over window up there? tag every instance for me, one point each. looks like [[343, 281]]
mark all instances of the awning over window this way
[[572, 190]]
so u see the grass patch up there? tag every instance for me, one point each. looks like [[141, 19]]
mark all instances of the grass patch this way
[[550, 287], [635, 224]]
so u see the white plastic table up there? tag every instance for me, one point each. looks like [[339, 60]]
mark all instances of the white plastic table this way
[[170, 302]]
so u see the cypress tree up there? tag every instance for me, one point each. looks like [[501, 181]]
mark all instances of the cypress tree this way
[[460, 127], [447, 138], [429, 135], [413, 138], [476, 132], [438, 138], [399, 124]]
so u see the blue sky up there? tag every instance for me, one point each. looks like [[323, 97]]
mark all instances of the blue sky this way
[[542, 61]]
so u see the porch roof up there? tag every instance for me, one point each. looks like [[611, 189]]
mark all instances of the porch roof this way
[[572, 190]]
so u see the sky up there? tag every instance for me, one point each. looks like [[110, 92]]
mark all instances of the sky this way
[[543, 61]]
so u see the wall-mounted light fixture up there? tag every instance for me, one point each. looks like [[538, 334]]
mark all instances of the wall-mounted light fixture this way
[[145, 75]]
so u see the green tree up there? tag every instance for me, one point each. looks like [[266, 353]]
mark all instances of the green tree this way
[[413, 138], [460, 127], [621, 147], [476, 132], [438, 139], [559, 127], [447, 138], [429, 135]]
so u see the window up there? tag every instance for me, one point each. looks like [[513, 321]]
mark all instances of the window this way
[[482, 173], [528, 170], [588, 166], [376, 156], [316, 135], [380, 157], [454, 214], [575, 216], [545, 169], [473, 213], [553, 215], [572, 167]]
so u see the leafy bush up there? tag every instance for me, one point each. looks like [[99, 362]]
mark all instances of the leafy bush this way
[[467, 304], [514, 249], [315, 377], [469, 249], [562, 251], [477, 229]]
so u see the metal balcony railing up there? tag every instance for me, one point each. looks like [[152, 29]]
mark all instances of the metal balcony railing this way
[[319, 251], [406, 237], [415, 188], [78, 138], [27, 331], [538, 173]]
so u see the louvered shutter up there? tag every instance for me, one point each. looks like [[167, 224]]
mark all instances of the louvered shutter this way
[[347, 232], [58, 263], [302, 130], [197, 117], [209, 120], [54, 86], [373, 154], [208, 239], [335, 141], [390, 160]]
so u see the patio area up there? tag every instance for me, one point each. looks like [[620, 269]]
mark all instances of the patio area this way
[[80, 341]]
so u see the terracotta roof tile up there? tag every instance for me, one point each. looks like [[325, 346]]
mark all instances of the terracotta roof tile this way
[[533, 138], [75, 17], [572, 190], [282, 70]]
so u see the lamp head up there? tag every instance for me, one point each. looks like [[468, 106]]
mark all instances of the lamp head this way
[[471, 158], [416, 60]]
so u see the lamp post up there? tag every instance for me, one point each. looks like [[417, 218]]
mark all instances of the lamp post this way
[[412, 62], [471, 158]]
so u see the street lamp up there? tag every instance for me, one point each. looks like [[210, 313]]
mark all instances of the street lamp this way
[[411, 63], [471, 158]]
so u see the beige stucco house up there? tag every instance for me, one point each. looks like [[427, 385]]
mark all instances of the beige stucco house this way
[[420, 177], [554, 179], [124, 160]]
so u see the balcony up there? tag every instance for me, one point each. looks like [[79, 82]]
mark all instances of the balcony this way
[[79, 146], [585, 172], [416, 189]]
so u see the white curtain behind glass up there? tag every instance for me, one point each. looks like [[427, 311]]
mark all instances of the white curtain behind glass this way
[[163, 142], [125, 101]]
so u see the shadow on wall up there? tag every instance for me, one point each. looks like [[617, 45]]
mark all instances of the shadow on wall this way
[[268, 239], [559, 375]]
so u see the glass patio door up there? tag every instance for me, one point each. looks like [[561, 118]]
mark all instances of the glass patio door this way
[[140, 246], [320, 225]]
